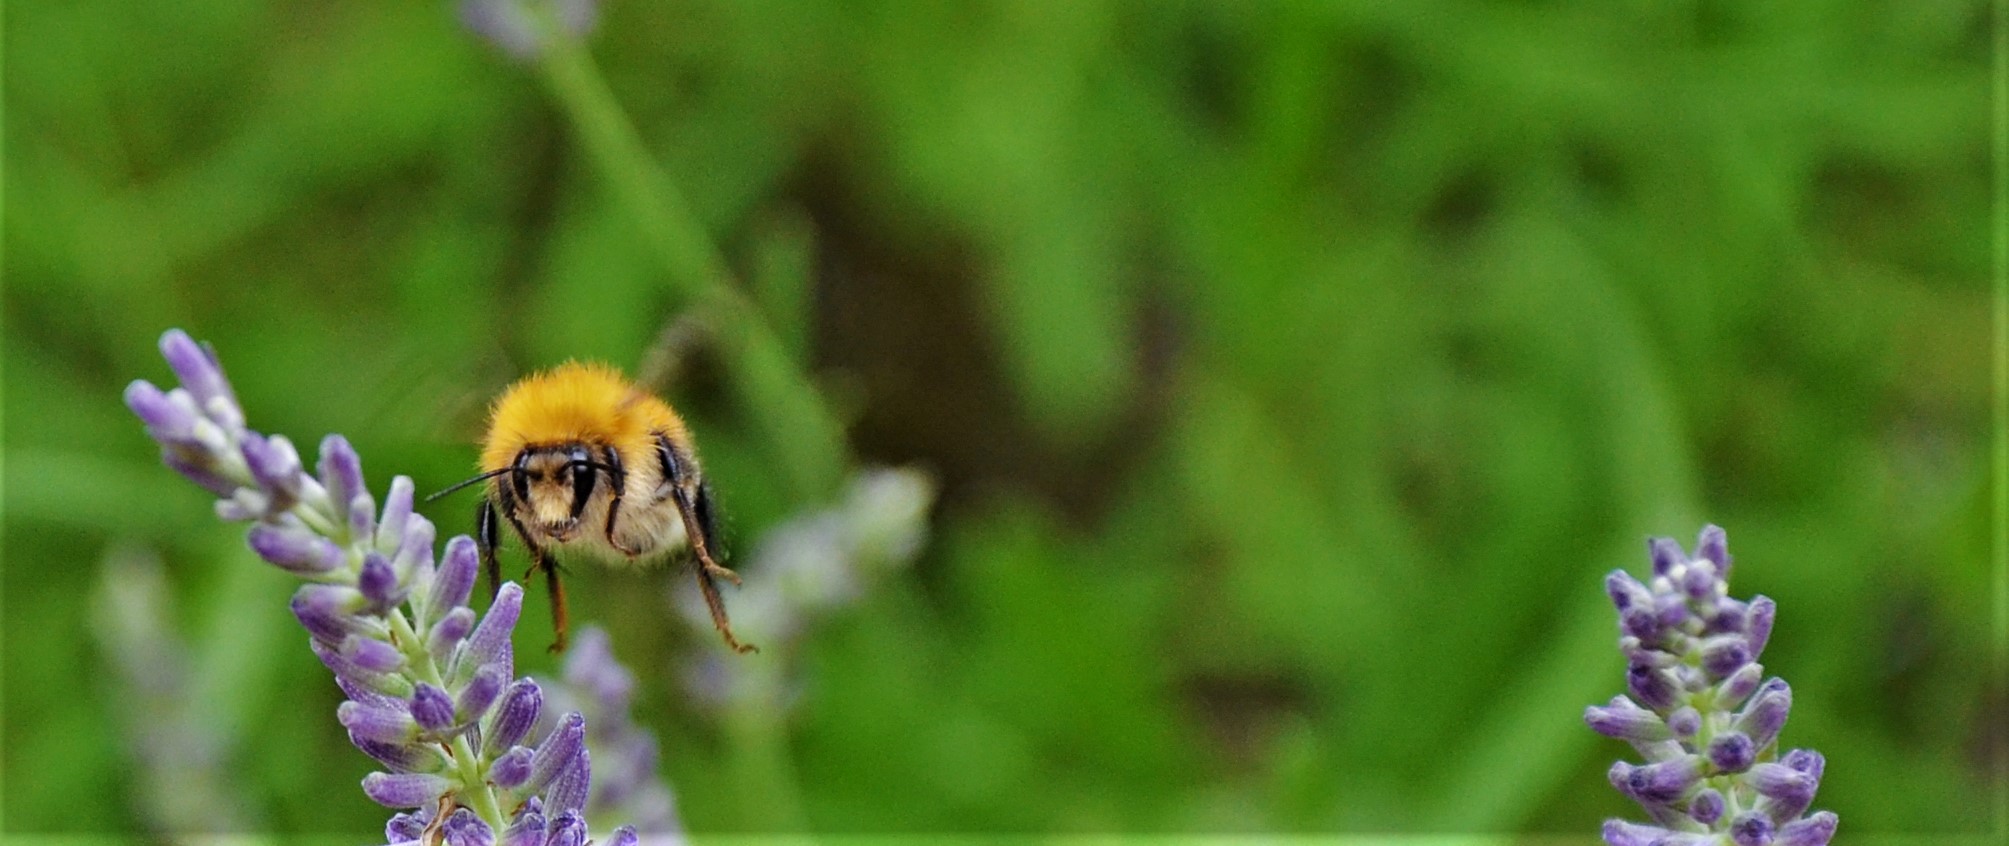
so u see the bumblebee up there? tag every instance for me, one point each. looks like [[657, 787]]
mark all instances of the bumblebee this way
[[579, 458]]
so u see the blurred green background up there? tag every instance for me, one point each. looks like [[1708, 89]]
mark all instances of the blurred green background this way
[[1292, 371]]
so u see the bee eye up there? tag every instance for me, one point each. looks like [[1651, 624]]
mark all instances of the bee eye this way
[[582, 487]]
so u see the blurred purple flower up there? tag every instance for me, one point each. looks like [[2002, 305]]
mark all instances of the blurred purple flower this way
[[521, 27], [1699, 714]]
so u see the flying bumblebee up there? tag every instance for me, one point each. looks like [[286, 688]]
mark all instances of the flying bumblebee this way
[[579, 458]]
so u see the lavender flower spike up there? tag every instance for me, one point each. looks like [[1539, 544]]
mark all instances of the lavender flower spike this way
[[1698, 713], [422, 672]]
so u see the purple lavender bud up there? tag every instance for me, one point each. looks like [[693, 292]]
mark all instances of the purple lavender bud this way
[[397, 513], [1641, 622], [509, 25], [1759, 624], [1620, 776], [1765, 714], [1724, 655], [295, 550], [1622, 833], [490, 642], [1732, 752], [1815, 830], [454, 581], [414, 555], [1684, 722], [1739, 686], [1698, 580], [372, 654], [479, 694], [449, 632], [199, 372], [1751, 829], [466, 829], [625, 836], [1782, 782], [1653, 688], [1626, 591], [1670, 609], [275, 465], [402, 757], [1666, 554], [567, 792], [528, 827], [403, 828], [512, 769], [567, 829], [1807, 761], [405, 790], [165, 419], [342, 475], [559, 750], [362, 516], [1728, 616], [353, 675], [432, 708], [379, 583], [1713, 545], [514, 718], [328, 612], [377, 723], [1667, 780], [1707, 806], [203, 473], [1626, 722]]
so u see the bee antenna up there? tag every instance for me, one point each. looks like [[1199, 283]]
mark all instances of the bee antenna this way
[[477, 479]]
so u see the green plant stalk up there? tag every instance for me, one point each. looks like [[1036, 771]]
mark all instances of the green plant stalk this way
[[806, 437], [793, 417]]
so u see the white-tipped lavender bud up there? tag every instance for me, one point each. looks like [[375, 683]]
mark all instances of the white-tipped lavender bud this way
[[382, 724], [453, 583], [1724, 655], [405, 790], [513, 719], [479, 694], [1732, 752], [275, 466], [1739, 686], [1765, 714], [397, 515], [567, 829], [1656, 689], [296, 550], [489, 644], [1626, 722], [1667, 780], [1815, 830], [559, 750], [379, 584], [448, 633], [1713, 545], [1666, 554]]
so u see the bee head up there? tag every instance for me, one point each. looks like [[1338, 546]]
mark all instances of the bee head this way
[[552, 485]]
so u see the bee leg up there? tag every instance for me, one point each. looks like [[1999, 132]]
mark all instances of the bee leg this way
[[617, 482], [487, 538], [693, 500], [558, 615]]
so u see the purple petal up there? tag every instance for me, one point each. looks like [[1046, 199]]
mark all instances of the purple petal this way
[[1666, 780], [342, 475], [165, 419], [1653, 688], [568, 789], [275, 465], [1713, 545], [454, 581], [1751, 829], [403, 828], [414, 555], [1815, 830], [402, 757], [1729, 616], [449, 632], [520, 706], [1627, 722], [466, 829], [1739, 686], [1732, 752], [375, 723], [512, 769], [379, 583], [1626, 591], [329, 612], [295, 549], [1707, 806], [341, 661], [490, 642], [1782, 782], [1758, 625], [480, 693], [559, 750], [1699, 580], [404, 790], [432, 708], [567, 829], [372, 654], [397, 513], [1724, 655], [1765, 714], [1666, 553], [199, 372]]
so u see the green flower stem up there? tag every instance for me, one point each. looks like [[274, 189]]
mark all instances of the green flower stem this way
[[807, 439], [467, 763]]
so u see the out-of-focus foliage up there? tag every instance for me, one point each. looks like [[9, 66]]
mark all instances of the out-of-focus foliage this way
[[1293, 372]]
